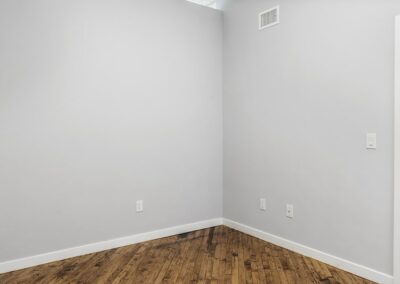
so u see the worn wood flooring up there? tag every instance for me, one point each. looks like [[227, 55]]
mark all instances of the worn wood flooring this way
[[214, 255]]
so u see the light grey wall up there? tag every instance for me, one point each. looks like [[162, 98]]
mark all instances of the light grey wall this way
[[104, 102], [299, 99]]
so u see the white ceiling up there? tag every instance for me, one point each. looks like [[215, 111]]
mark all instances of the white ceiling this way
[[208, 3]]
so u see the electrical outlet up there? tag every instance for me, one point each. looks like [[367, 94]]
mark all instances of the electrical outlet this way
[[139, 206], [289, 211], [263, 204]]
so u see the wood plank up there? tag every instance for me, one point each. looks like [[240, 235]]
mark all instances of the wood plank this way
[[214, 255]]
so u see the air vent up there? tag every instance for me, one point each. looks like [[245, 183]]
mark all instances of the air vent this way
[[269, 18]]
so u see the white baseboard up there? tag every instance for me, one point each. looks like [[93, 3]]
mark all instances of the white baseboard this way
[[338, 262], [104, 245], [346, 265]]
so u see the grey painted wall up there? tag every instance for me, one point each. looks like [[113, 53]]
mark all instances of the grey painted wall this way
[[102, 103], [106, 102], [299, 99]]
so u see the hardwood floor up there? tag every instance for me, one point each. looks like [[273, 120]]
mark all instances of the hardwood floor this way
[[214, 255]]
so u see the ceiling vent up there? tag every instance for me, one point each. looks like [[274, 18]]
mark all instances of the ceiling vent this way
[[268, 18]]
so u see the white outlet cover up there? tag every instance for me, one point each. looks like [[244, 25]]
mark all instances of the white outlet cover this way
[[289, 211], [263, 204]]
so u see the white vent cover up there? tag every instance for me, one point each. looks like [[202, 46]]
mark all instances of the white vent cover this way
[[268, 18]]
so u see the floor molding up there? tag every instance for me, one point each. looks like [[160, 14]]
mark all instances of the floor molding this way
[[338, 262], [346, 265], [104, 245]]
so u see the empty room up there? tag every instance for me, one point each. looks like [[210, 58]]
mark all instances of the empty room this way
[[200, 141]]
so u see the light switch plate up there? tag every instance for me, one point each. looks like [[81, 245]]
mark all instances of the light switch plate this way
[[371, 140], [139, 206]]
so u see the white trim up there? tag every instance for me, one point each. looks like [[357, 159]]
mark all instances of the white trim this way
[[338, 262], [396, 237], [346, 265], [104, 245]]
